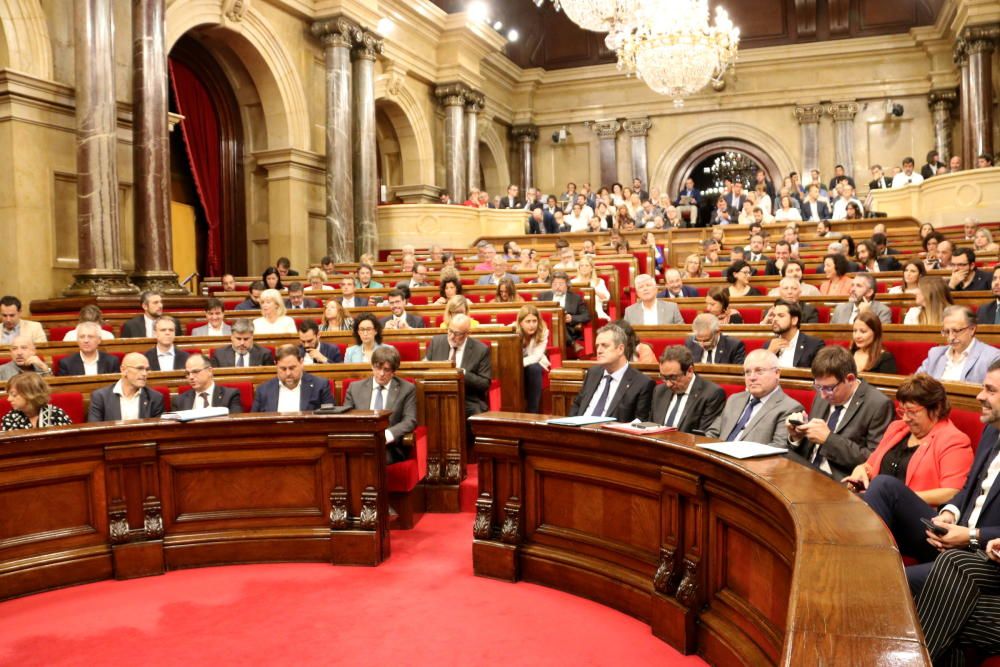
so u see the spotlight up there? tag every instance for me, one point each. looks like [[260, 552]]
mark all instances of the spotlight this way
[[478, 11], [385, 26], [498, 26], [512, 35]]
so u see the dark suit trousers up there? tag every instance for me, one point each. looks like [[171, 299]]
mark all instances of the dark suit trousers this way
[[533, 376], [960, 606]]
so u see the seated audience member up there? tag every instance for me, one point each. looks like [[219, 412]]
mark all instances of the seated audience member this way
[[843, 204], [543, 273], [786, 212], [90, 360], [24, 359], [215, 323], [685, 400], [885, 255], [574, 308], [511, 200], [586, 275], [314, 351], [861, 298], [792, 347], [348, 294], [754, 252], [14, 326], [469, 354], [688, 200], [385, 391], [782, 253], [930, 246], [363, 278], [273, 319], [228, 282], [866, 346], [931, 298], [367, 338], [867, 258], [542, 222], [907, 176], [794, 268], [611, 387], [648, 310], [498, 272], [29, 397], [165, 356], [400, 319], [567, 260], [922, 461], [485, 253], [710, 346], [759, 413], [965, 277], [296, 298], [293, 390], [717, 304], [749, 213], [335, 318], [675, 287], [879, 180], [693, 267], [506, 292], [989, 313], [847, 419], [636, 351], [242, 351], [204, 392], [456, 305], [964, 358], [284, 267], [984, 161], [141, 326], [933, 164], [252, 302], [316, 279], [90, 313], [653, 248], [814, 209], [913, 271], [722, 215], [527, 261], [837, 282], [790, 290], [534, 336], [738, 276], [418, 278], [272, 279], [129, 398], [983, 242]]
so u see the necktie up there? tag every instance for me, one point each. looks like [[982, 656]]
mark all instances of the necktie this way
[[706, 358], [744, 418], [378, 397], [204, 399], [242, 361], [603, 399], [672, 417], [834, 417], [453, 355]]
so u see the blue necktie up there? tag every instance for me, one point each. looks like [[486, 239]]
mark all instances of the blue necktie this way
[[599, 408], [831, 421], [744, 418], [673, 412], [378, 397]]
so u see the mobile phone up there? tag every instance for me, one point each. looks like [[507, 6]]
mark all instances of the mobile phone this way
[[856, 485], [933, 527], [796, 422]]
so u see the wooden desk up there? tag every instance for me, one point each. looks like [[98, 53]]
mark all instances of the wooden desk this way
[[755, 562], [132, 499]]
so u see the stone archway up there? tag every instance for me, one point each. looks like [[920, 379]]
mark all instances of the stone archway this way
[[27, 47], [493, 160], [402, 115]]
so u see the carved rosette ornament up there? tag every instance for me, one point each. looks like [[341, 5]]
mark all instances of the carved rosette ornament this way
[[453, 467], [663, 580], [510, 533], [687, 591], [482, 529], [338, 509], [808, 113], [153, 519], [433, 469], [369, 508], [118, 526]]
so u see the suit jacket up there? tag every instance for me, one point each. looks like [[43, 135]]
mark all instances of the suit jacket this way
[[856, 435], [880, 184], [728, 350], [180, 358], [806, 350], [809, 313], [203, 330], [73, 364], [105, 405], [400, 397], [943, 461], [328, 350], [136, 327], [842, 313], [694, 193], [888, 263], [222, 397], [965, 500], [478, 369], [716, 219], [247, 304], [32, 330], [547, 226], [822, 210], [632, 400], [575, 308], [734, 202], [356, 301], [686, 291], [315, 392], [306, 303], [981, 282], [667, 312], [225, 357], [506, 202], [980, 357], [704, 403], [415, 321], [768, 424], [987, 313]]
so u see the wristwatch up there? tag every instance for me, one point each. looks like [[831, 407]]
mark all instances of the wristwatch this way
[[973, 539]]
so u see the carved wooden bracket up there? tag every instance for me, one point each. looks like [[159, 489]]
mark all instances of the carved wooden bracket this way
[[118, 525], [453, 467], [510, 533], [433, 470], [339, 519], [482, 529], [663, 580], [687, 591], [369, 508], [153, 518]]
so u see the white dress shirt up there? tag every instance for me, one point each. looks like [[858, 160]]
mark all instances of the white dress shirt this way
[[129, 406], [991, 477], [289, 399], [459, 353], [166, 359], [389, 437], [902, 180], [90, 367], [650, 315], [757, 408], [616, 379], [787, 357], [954, 367]]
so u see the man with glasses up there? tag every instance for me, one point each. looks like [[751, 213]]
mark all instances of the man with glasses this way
[[685, 400], [204, 392], [965, 277], [612, 388], [293, 390], [129, 398], [964, 358], [417, 279], [793, 348], [649, 310], [759, 413], [575, 313], [472, 356], [242, 352], [710, 346], [849, 417], [385, 391]]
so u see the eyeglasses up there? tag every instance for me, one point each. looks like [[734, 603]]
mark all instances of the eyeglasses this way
[[194, 371], [904, 413], [826, 389], [671, 378], [948, 333], [457, 334], [753, 372], [364, 328]]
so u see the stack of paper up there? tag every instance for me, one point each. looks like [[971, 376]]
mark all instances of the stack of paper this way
[[742, 449], [195, 413]]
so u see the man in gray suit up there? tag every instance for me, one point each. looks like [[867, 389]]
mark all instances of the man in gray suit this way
[[757, 414], [384, 391], [499, 272], [685, 400], [862, 296], [471, 356], [964, 358], [649, 310], [215, 321], [129, 398], [849, 416]]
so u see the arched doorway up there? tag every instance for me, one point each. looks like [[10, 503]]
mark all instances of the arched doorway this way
[[704, 154]]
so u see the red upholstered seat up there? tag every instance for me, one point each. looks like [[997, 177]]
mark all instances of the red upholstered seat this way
[[731, 389], [897, 314], [803, 396], [702, 290], [404, 476], [506, 317], [230, 304], [72, 404], [909, 354], [418, 299], [824, 314], [688, 314], [409, 350], [165, 393], [660, 344], [751, 315], [5, 407], [344, 384], [751, 344], [968, 423], [58, 333], [246, 393]]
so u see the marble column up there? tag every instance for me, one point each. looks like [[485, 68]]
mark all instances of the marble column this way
[[843, 133], [474, 102], [982, 41], [808, 116], [154, 266], [526, 136], [367, 47], [638, 130], [941, 103], [452, 98], [961, 58], [337, 37], [607, 132], [100, 269]]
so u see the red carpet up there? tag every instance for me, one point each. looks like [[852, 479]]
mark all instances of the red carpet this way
[[423, 606]]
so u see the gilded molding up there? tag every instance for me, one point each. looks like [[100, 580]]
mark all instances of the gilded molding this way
[[807, 113], [637, 127]]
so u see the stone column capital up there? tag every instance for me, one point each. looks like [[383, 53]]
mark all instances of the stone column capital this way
[[807, 113], [367, 45], [451, 94], [637, 127], [525, 133], [960, 54], [942, 99], [843, 111], [981, 38], [604, 129], [335, 31], [474, 101]]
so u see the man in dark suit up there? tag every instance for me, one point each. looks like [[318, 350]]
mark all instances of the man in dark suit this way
[[242, 352], [284, 267], [542, 222], [384, 391], [722, 215], [252, 302], [165, 356], [838, 176], [576, 313], [468, 354], [90, 360], [965, 277], [685, 400], [989, 313], [793, 348], [848, 416], [709, 346], [511, 200], [734, 200], [612, 388], [293, 390], [676, 289], [297, 299], [141, 326], [204, 392], [312, 349], [815, 209], [400, 319], [349, 299], [790, 289], [782, 253], [879, 181], [129, 398]]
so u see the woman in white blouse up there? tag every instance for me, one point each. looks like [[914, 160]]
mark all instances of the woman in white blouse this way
[[273, 319], [787, 212], [587, 275], [534, 339]]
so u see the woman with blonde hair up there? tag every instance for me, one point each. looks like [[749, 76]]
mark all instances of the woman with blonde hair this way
[[692, 267], [543, 273], [534, 340], [30, 408], [932, 297], [272, 318], [983, 243], [456, 305], [317, 279], [586, 274], [335, 318]]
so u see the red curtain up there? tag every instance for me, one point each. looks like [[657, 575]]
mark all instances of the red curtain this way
[[200, 130]]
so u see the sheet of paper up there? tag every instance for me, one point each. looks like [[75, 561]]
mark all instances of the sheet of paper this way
[[581, 420], [742, 450], [195, 413]]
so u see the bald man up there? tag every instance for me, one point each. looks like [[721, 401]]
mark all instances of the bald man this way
[[24, 359], [129, 398]]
